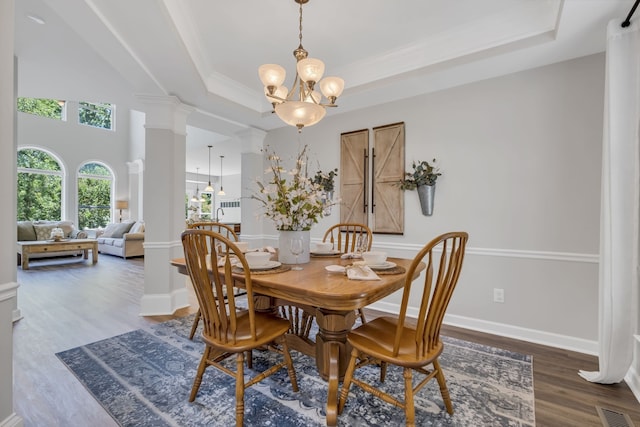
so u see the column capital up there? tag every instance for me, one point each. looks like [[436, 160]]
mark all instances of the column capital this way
[[136, 166], [165, 112], [251, 140]]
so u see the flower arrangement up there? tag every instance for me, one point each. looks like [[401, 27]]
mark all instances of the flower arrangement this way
[[293, 204], [424, 173], [326, 180]]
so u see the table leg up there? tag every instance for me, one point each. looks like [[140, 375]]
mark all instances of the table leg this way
[[332, 353], [25, 259], [332, 393], [94, 253], [85, 253]]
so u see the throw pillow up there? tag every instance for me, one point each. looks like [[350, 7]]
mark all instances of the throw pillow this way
[[26, 231], [43, 231], [121, 228], [67, 227], [138, 227], [109, 229]]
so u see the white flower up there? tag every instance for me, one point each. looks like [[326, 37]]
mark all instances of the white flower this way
[[293, 204]]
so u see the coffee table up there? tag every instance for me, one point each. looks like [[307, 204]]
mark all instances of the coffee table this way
[[45, 246]]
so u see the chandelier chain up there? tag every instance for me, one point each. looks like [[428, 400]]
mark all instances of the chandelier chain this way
[[300, 28]]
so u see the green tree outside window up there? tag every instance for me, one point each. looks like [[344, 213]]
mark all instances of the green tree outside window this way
[[39, 186], [50, 108], [97, 115], [94, 196]]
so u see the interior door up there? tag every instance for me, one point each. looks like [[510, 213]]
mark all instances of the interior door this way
[[387, 202], [354, 158]]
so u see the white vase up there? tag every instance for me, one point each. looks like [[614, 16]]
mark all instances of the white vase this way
[[284, 246]]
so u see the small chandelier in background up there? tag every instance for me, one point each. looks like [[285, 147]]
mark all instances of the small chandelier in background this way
[[221, 192], [301, 106], [197, 197]]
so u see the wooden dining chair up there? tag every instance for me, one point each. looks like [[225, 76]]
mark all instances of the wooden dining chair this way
[[345, 236], [345, 239], [227, 232], [230, 329], [412, 345], [218, 227]]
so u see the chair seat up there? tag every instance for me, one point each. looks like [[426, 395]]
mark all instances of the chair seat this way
[[268, 328], [376, 338]]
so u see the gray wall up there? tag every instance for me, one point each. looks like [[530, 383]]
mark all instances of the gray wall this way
[[521, 166]]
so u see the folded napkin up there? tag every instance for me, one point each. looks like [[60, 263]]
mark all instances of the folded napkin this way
[[361, 272], [351, 255], [234, 261]]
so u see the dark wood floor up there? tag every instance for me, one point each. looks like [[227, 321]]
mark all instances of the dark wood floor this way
[[70, 302]]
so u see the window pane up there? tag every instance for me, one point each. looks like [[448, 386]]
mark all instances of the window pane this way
[[95, 169], [39, 197], [37, 159], [50, 108], [94, 202], [97, 115]]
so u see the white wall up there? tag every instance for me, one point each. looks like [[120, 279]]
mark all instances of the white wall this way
[[77, 144], [521, 173]]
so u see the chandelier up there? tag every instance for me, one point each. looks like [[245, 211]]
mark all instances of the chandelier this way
[[301, 105]]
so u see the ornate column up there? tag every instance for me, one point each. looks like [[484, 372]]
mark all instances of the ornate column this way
[[9, 311], [252, 168], [163, 203], [136, 181]]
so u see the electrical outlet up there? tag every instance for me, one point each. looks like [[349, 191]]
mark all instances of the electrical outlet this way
[[498, 295]]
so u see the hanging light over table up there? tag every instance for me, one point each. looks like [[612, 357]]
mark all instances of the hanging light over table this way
[[209, 188], [301, 106], [221, 192]]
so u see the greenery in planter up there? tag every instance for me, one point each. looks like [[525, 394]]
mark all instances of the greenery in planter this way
[[424, 173], [326, 180]]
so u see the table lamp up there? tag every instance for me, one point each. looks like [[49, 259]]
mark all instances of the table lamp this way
[[122, 204]]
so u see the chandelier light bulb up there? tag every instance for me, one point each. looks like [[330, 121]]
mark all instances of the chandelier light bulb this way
[[278, 96], [272, 75], [332, 87], [310, 70]]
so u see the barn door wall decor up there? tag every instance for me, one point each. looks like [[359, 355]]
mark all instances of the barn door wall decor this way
[[369, 185], [354, 170], [387, 161]]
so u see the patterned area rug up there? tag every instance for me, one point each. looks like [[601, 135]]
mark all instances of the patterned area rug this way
[[144, 377]]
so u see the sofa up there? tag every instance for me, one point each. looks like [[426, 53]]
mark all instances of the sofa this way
[[29, 231], [123, 239]]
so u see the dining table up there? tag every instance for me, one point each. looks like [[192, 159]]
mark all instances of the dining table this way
[[331, 298]]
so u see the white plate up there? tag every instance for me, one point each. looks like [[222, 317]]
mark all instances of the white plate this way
[[324, 253], [386, 266], [335, 269], [267, 266]]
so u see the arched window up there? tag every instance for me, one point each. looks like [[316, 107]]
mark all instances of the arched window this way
[[40, 177], [95, 187]]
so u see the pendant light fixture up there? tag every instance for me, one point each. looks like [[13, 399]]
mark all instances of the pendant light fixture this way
[[221, 192], [301, 106], [209, 188]]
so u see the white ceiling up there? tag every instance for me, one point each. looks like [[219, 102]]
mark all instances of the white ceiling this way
[[207, 52]]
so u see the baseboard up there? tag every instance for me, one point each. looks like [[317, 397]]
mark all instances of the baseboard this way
[[164, 304], [632, 378], [530, 335], [12, 420]]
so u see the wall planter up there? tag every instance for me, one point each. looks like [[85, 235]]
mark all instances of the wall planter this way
[[426, 194], [423, 179]]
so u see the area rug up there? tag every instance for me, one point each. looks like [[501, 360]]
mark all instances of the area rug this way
[[144, 377]]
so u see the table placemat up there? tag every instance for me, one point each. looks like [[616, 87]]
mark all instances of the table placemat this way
[[325, 255], [280, 269], [398, 269]]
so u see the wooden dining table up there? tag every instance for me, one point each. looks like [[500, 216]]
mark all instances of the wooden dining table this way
[[332, 299]]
